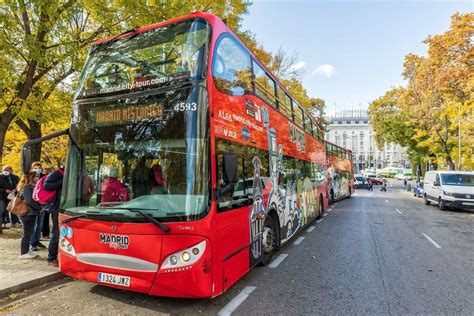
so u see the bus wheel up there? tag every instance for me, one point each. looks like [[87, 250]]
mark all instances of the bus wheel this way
[[268, 240], [350, 193], [331, 197], [321, 208]]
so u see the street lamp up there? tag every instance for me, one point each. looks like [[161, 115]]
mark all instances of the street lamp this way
[[459, 137]]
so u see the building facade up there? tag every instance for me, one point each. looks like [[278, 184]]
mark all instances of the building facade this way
[[351, 129]]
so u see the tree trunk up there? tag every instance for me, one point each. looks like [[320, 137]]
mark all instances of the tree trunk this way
[[35, 132], [5, 120], [32, 131], [450, 162]]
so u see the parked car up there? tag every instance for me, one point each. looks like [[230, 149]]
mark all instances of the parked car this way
[[360, 182], [418, 190], [376, 180], [449, 189], [402, 176]]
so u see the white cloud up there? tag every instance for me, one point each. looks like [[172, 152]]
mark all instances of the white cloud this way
[[326, 70], [298, 66]]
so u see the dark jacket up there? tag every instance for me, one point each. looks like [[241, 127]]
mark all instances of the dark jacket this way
[[7, 183], [54, 182], [34, 208]]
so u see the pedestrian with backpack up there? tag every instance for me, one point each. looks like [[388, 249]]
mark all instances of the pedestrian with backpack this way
[[54, 183], [25, 193], [35, 243]]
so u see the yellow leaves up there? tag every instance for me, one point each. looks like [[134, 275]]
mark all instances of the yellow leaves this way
[[438, 94]]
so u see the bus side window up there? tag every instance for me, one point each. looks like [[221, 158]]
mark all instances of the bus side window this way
[[264, 85], [236, 194], [231, 67]]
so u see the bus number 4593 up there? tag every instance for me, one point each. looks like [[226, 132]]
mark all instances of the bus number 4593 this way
[[185, 106]]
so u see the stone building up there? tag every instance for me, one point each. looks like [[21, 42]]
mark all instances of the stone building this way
[[351, 129]]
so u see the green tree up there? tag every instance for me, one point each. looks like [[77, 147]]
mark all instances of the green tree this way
[[43, 42]]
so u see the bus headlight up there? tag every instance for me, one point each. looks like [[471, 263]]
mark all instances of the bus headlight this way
[[174, 260], [184, 259], [185, 256], [66, 247]]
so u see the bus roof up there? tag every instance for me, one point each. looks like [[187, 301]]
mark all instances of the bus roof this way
[[218, 23]]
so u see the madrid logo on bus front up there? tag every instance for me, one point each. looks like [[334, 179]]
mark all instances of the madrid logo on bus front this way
[[114, 241]]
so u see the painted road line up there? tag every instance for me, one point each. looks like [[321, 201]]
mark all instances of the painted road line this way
[[325, 214], [298, 241], [330, 209], [387, 201], [432, 241], [310, 229], [278, 260], [319, 220], [398, 211], [236, 301]]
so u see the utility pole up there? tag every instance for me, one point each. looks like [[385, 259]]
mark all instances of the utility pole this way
[[459, 138]]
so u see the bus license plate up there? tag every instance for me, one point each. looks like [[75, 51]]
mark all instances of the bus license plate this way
[[114, 279], [468, 203]]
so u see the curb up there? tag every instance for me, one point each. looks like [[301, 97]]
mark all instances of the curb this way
[[31, 284]]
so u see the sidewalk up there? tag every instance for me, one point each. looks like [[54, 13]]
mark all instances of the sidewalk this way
[[17, 275]]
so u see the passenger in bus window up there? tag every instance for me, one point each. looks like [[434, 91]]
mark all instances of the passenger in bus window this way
[[141, 184], [88, 188], [112, 189], [158, 180]]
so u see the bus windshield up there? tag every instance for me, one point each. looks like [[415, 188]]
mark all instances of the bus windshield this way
[[146, 152], [147, 59]]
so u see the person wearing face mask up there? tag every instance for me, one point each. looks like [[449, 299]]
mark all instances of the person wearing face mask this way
[[54, 182], [35, 243], [8, 183], [25, 190]]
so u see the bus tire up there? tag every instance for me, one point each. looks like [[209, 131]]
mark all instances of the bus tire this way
[[321, 207], [350, 191], [269, 239], [331, 197]]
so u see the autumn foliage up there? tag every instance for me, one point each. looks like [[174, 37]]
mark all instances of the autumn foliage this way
[[425, 115]]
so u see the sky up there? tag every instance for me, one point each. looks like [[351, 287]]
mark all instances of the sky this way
[[351, 51]]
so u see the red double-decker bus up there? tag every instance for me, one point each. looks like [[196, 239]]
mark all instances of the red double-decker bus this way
[[188, 162], [340, 172]]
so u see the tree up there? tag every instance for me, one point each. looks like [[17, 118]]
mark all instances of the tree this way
[[424, 115], [45, 41]]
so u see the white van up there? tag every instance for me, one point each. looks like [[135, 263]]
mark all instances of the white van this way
[[450, 189]]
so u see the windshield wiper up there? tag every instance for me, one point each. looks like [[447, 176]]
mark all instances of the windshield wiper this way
[[151, 219], [70, 219]]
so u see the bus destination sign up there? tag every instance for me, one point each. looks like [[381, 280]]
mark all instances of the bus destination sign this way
[[131, 113]]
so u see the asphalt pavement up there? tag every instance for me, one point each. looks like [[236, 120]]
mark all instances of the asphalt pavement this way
[[375, 253]]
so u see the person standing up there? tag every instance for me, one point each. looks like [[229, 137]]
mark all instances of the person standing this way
[[54, 182], [8, 183], [35, 243], [25, 189], [405, 183]]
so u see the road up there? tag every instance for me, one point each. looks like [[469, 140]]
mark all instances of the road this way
[[375, 253]]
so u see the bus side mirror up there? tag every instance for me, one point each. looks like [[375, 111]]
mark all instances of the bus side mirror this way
[[436, 183], [27, 153], [26, 159], [229, 166]]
